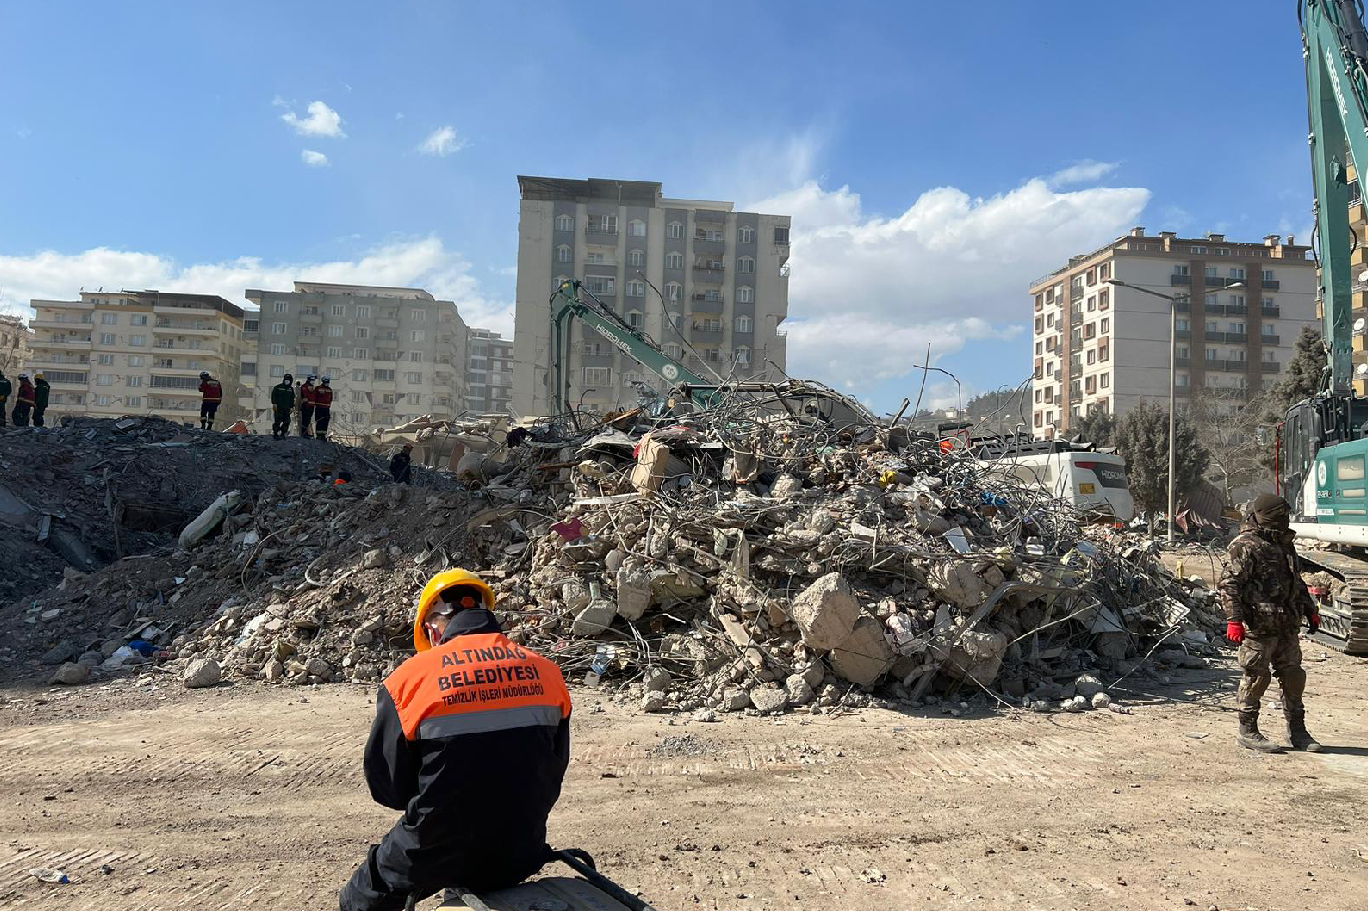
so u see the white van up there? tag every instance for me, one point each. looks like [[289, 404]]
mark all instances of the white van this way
[[1091, 482]]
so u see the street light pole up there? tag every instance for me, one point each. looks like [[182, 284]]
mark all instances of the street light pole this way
[[1173, 386]]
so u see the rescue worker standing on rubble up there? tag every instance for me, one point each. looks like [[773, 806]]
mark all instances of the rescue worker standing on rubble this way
[[42, 391], [1265, 602], [282, 404], [6, 387], [401, 465], [24, 404], [471, 741], [323, 397], [211, 391], [306, 407]]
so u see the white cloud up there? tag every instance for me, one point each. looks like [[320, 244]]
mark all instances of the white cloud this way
[[868, 294], [1085, 171], [443, 141], [313, 159], [322, 121], [417, 263]]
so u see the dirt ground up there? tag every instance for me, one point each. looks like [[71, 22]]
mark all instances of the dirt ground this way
[[151, 797]]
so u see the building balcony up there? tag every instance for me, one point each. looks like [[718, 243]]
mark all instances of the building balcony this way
[[61, 325], [70, 386], [311, 317], [186, 350], [1268, 366], [704, 245], [1214, 336], [700, 334], [1270, 341], [173, 390], [710, 216], [1270, 284], [600, 232], [1237, 338], [1273, 312], [1182, 333], [1185, 306], [166, 327], [387, 322], [72, 360], [59, 342], [1177, 279], [712, 272], [1182, 362]]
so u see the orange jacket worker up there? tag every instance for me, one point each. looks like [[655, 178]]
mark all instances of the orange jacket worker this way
[[471, 741]]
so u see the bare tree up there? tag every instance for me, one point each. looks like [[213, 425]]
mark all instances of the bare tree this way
[[1226, 422]]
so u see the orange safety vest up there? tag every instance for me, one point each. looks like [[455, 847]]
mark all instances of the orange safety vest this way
[[474, 684]]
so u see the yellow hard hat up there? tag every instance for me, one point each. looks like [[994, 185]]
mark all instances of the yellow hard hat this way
[[432, 593]]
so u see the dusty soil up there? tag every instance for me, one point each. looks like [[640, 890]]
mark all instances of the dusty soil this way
[[249, 797]]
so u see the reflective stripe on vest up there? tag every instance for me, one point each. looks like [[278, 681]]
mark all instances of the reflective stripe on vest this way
[[475, 684]]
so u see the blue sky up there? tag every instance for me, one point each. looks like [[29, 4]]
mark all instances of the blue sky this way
[[936, 157]]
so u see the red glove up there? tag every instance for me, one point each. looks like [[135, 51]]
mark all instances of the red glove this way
[[1235, 632], [1314, 623]]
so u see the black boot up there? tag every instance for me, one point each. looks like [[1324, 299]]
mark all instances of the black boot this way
[[1296, 729], [1251, 739]]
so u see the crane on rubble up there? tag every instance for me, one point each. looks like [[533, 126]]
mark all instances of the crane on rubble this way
[[1323, 443]]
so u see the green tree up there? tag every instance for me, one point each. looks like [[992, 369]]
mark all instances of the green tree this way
[[1098, 428], [1142, 438], [1301, 378]]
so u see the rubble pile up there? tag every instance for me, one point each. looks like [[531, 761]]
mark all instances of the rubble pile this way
[[774, 561], [92, 490], [308, 582], [762, 554]]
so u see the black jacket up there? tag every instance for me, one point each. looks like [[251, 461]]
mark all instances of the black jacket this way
[[401, 468], [475, 780]]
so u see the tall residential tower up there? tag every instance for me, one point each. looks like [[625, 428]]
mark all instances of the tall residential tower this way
[[721, 276]]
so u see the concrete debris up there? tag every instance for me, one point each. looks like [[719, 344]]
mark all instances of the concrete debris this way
[[749, 556], [202, 672], [71, 674]]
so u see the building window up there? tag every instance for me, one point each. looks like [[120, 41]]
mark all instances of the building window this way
[[338, 309], [277, 350], [1038, 348], [109, 319], [384, 376], [564, 222], [1211, 354], [415, 357], [743, 356], [1211, 271], [635, 319], [744, 324], [1092, 303], [1237, 327], [781, 235], [417, 335], [601, 284], [335, 353], [1104, 271], [745, 265], [745, 234], [1182, 324], [335, 331], [636, 288], [134, 381], [563, 253], [674, 230], [674, 260], [1180, 270], [1106, 325], [1237, 272], [745, 295], [361, 354], [282, 306], [672, 350], [363, 311], [1268, 275], [673, 291], [1104, 299], [106, 360], [1211, 300], [636, 228], [1092, 356], [104, 379], [414, 378], [359, 376], [138, 319], [636, 258], [277, 328], [595, 377], [362, 332]]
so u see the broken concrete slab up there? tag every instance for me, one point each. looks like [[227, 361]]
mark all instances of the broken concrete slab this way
[[826, 611]]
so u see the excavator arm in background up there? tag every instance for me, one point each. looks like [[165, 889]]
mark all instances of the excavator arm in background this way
[[572, 301]]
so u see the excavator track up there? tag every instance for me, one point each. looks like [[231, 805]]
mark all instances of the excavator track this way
[[1344, 621]]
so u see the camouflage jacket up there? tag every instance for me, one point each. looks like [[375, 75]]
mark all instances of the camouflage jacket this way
[[1261, 585]]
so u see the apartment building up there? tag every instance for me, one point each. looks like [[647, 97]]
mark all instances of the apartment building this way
[[14, 345], [489, 373], [136, 352], [393, 354], [721, 276], [1101, 346]]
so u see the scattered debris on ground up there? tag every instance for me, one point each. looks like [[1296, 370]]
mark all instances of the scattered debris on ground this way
[[753, 556]]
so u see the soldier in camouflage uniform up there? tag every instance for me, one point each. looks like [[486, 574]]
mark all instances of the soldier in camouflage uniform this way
[[1265, 602]]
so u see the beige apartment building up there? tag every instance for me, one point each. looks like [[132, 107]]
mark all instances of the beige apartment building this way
[[393, 354], [113, 353], [721, 276], [1098, 346], [14, 345], [489, 373]]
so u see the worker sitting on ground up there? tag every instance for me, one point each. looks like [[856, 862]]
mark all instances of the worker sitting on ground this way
[[1265, 602], [401, 465], [471, 741]]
